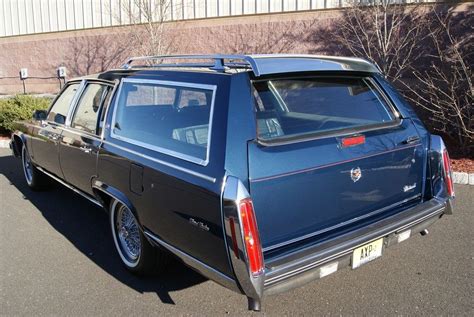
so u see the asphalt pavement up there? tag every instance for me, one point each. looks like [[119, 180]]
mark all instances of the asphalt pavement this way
[[57, 258]]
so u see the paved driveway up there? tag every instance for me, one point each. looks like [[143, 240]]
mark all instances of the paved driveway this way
[[56, 257]]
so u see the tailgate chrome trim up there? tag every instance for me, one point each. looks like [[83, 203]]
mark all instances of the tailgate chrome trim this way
[[310, 169], [342, 224], [287, 266]]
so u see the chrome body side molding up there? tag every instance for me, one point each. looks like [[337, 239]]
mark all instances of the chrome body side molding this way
[[77, 191], [194, 263]]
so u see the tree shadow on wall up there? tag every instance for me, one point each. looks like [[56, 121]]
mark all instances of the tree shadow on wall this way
[[259, 38], [93, 54]]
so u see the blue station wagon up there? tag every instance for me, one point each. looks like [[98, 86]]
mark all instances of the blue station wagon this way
[[260, 172]]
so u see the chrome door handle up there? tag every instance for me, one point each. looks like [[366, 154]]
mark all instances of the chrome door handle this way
[[85, 149], [411, 139]]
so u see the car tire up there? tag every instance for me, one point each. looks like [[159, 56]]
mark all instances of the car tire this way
[[136, 253], [35, 179]]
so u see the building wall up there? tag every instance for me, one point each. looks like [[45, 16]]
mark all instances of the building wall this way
[[89, 51], [93, 50], [19, 17]]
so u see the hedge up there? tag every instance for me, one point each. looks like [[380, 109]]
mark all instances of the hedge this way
[[19, 107]]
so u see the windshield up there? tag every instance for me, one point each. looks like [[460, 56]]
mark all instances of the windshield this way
[[293, 107]]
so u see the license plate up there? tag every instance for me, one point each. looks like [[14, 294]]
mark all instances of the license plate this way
[[367, 253]]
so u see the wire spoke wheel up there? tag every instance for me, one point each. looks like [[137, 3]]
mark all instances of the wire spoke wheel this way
[[127, 235], [27, 166]]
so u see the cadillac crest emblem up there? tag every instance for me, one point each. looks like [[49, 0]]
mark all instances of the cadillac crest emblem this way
[[356, 174]]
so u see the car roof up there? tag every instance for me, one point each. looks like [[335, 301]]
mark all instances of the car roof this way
[[286, 63], [259, 65]]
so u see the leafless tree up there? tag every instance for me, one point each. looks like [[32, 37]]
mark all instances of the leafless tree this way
[[263, 38], [387, 32], [146, 25], [445, 88], [427, 50]]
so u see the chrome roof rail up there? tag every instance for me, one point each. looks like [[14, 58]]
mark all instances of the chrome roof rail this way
[[219, 61], [262, 64]]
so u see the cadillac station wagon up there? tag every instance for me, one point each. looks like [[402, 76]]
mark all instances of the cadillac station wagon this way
[[260, 172]]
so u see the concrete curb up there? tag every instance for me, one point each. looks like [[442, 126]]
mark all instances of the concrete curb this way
[[4, 144], [463, 178], [458, 177]]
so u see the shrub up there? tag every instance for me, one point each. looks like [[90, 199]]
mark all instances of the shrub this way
[[20, 107]]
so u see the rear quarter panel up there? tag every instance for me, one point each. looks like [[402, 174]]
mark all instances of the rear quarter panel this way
[[174, 190]]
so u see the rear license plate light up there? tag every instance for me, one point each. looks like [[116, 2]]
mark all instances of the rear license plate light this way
[[402, 236], [328, 269]]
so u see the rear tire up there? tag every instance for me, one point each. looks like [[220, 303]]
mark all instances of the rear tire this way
[[136, 253], [35, 179]]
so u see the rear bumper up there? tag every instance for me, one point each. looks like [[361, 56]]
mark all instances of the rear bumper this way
[[298, 268]]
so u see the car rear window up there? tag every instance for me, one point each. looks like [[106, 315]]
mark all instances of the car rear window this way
[[169, 117], [288, 108]]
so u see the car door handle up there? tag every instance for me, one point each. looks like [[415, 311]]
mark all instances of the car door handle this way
[[54, 137], [411, 139], [85, 149]]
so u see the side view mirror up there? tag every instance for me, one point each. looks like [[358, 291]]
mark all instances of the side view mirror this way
[[40, 115], [59, 118]]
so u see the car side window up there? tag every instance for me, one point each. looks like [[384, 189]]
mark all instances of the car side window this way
[[169, 117], [60, 108], [87, 110]]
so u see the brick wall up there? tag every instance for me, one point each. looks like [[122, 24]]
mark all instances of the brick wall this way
[[89, 51], [94, 50]]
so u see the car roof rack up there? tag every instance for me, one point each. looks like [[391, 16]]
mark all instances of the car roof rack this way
[[262, 64], [219, 64]]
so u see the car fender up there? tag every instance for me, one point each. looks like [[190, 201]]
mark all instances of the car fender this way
[[105, 193]]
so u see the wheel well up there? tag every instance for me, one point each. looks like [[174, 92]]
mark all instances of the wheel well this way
[[104, 198], [17, 145]]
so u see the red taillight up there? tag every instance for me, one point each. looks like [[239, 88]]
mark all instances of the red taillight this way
[[353, 140], [251, 237], [447, 173]]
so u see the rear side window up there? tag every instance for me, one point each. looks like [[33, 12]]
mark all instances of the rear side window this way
[[292, 107], [61, 106], [169, 117], [87, 110]]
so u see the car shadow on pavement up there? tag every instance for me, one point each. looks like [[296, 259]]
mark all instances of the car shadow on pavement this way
[[86, 226]]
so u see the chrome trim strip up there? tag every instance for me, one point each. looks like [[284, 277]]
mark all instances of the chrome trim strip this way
[[176, 167], [345, 223], [199, 266], [77, 191], [80, 133], [356, 64], [364, 238], [106, 125], [74, 102], [234, 192], [310, 169], [159, 149], [217, 59]]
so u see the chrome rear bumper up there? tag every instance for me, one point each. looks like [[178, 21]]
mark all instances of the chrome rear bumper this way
[[297, 268]]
